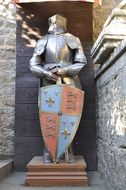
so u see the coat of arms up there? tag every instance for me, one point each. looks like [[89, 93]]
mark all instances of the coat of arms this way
[[60, 112]]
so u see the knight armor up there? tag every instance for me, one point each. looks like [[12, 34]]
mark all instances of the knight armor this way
[[58, 54], [57, 51]]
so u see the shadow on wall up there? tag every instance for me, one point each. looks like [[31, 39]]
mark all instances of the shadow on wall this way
[[33, 25], [27, 22]]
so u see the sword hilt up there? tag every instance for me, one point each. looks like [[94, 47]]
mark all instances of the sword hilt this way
[[59, 80]]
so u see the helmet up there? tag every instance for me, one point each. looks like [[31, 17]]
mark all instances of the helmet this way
[[57, 24]]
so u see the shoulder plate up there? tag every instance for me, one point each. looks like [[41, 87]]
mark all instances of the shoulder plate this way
[[71, 41], [40, 46]]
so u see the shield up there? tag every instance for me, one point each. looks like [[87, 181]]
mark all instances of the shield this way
[[60, 112]]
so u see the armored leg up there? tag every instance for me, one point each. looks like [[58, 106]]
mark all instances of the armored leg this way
[[69, 156], [46, 156]]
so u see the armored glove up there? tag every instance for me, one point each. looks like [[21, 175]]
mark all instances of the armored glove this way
[[71, 70], [40, 72]]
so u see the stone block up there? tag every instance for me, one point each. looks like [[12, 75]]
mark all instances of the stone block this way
[[8, 53], [7, 65], [10, 40], [2, 21], [113, 32], [10, 24], [7, 118], [7, 101], [5, 167], [7, 78], [2, 39], [7, 89]]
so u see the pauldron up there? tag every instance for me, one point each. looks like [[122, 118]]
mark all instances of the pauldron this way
[[71, 41]]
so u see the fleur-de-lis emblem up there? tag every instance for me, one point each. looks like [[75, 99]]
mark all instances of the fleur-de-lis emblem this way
[[49, 101], [66, 133]]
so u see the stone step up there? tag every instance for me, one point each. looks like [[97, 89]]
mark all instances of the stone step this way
[[5, 167]]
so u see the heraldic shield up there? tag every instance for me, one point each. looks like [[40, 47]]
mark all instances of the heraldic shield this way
[[60, 112]]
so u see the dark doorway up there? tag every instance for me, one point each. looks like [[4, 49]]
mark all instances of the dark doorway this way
[[32, 22]]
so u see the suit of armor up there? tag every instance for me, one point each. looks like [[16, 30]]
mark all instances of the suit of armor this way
[[58, 55]]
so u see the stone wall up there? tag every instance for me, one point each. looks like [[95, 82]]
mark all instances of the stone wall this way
[[110, 85], [7, 77], [111, 123], [101, 13]]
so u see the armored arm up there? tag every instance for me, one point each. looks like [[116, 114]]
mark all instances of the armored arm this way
[[37, 69], [36, 61], [79, 58]]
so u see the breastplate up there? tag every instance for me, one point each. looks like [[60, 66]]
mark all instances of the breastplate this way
[[57, 51]]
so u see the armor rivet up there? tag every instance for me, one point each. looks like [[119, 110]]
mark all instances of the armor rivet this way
[[59, 113]]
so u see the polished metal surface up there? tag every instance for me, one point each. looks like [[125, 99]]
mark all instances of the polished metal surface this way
[[57, 51]]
